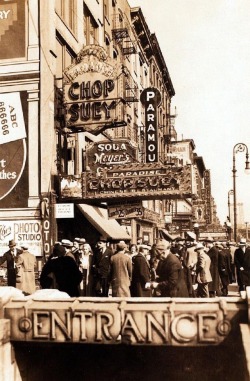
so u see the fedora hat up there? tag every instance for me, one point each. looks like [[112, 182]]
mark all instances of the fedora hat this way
[[121, 245], [243, 242], [67, 243], [199, 246], [12, 243]]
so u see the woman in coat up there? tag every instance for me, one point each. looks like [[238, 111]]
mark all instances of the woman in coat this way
[[85, 260], [26, 263]]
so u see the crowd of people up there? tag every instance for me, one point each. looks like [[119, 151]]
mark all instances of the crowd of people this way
[[179, 268]]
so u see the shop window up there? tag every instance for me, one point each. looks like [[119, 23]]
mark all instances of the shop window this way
[[90, 27]]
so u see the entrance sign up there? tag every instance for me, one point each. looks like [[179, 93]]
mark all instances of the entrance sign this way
[[151, 98], [130, 182], [150, 321]]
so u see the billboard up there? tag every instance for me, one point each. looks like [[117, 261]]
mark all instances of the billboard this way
[[12, 29], [13, 150]]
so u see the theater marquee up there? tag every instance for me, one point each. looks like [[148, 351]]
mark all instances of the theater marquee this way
[[149, 181]]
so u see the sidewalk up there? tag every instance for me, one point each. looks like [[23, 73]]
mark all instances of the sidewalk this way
[[233, 290]]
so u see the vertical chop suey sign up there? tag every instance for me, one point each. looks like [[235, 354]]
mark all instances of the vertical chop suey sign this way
[[12, 142], [151, 98], [94, 92]]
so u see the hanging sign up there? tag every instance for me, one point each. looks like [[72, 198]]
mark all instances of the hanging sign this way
[[151, 98]]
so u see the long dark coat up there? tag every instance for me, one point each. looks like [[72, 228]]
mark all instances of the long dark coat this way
[[11, 270], [171, 281], [239, 262], [66, 272], [214, 285], [224, 266], [140, 276], [246, 265]]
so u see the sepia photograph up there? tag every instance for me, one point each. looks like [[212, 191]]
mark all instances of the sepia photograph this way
[[124, 190]]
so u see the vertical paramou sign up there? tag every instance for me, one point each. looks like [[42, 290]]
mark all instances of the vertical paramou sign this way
[[151, 98]]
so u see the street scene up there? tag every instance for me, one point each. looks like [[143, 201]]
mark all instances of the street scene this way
[[124, 201]]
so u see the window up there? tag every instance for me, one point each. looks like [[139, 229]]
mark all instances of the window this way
[[90, 27], [66, 9], [64, 58]]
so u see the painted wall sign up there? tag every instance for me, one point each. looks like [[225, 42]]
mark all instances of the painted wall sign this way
[[93, 89], [151, 98], [166, 322], [13, 151], [12, 28], [22, 231]]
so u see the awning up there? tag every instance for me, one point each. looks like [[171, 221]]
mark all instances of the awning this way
[[164, 234], [98, 217]]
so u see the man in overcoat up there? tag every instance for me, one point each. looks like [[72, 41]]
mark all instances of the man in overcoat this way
[[101, 268], [140, 274], [121, 271], [239, 262], [169, 271], [202, 272], [224, 268], [26, 263], [213, 253], [10, 258]]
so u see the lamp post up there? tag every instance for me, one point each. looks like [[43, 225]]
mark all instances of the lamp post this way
[[246, 223], [239, 147]]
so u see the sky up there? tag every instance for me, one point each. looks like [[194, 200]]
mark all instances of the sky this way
[[206, 46]]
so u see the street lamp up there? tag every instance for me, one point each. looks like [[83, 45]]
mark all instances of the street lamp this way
[[246, 223], [239, 147]]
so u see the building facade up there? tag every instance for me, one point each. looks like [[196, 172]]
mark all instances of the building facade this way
[[87, 129]]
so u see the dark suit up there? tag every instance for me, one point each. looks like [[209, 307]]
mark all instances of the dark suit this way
[[11, 270], [101, 271], [140, 276], [224, 269], [169, 272], [66, 272], [239, 262]]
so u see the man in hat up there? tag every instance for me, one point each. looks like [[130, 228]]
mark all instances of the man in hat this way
[[120, 271], [26, 264], [170, 281], [10, 258], [202, 272], [213, 253], [63, 270], [101, 268], [68, 248], [240, 256]]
